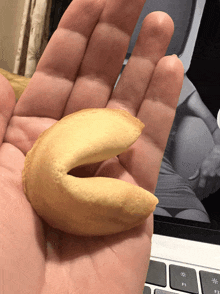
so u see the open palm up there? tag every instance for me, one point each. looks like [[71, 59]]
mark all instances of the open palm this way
[[78, 70]]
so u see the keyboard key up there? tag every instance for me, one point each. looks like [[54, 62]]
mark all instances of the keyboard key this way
[[163, 292], [156, 274], [183, 279], [147, 290], [210, 282]]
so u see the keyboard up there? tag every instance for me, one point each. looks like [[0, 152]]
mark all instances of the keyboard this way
[[170, 277]]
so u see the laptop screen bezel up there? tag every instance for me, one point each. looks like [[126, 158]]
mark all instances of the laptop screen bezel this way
[[187, 229]]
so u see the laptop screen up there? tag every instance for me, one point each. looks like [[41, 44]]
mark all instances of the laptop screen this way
[[182, 211]]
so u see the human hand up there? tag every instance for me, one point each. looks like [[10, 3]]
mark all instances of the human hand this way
[[208, 174], [78, 70]]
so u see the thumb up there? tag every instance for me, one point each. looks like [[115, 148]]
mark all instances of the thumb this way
[[195, 175], [7, 105]]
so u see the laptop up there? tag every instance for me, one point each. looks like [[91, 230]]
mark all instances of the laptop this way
[[185, 254]]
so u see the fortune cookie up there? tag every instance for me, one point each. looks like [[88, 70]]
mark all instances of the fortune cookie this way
[[85, 206]]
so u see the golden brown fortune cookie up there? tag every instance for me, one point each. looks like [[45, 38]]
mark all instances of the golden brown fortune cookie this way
[[85, 206]]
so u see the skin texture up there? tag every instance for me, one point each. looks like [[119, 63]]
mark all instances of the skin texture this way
[[78, 70]]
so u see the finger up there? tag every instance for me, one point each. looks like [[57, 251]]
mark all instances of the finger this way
[[203, 177], [208, 188], [202, 182], [153, 41], [206, 172], [60, 64], [216, 186], [157, 112], [52, 83], [105, 55], [7, 104]]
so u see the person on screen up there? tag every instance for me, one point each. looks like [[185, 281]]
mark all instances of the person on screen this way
[[178, 197]]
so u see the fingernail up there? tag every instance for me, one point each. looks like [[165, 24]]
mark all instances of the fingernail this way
[[175, 55]]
